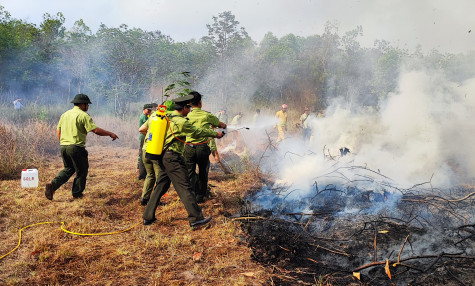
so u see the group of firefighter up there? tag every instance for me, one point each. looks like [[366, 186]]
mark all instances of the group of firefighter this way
[[188, 142]]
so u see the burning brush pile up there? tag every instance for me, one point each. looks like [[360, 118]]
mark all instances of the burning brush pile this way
[[355, 226]]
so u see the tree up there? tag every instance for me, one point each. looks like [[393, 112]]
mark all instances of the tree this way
[[76, 56], [17, 54], [223, 35]]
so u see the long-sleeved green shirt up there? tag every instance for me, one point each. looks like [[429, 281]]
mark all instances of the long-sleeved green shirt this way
[[201, 119], [182, 128]]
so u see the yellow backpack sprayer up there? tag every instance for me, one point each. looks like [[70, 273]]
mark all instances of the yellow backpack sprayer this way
[[156, 137]]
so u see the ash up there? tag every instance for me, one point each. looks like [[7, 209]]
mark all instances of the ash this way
[[383, 234]]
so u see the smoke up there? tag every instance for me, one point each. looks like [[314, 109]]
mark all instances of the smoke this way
[[418, 132], [418, 135]]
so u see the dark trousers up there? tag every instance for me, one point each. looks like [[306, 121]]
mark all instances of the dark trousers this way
[[74, 161], [173, 170], [198, 155]]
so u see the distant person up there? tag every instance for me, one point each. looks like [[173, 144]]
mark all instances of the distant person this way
[[281, 117], [256, 117], [172, 165], [237, 120], [146, 111], [17, 104], [72, 130], [222, 115], [306, 131]]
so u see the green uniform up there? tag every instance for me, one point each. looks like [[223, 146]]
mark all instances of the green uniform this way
[[197, 152], [74, 125], [212, 145], [140, 165], [173, 170], [151, 167]]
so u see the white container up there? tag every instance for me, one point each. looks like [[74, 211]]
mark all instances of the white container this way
[[29, 178]]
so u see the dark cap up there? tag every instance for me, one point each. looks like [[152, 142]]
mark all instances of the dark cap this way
[[181, 101], [196, 97], [81, 98], [153, 104], [147, 106]]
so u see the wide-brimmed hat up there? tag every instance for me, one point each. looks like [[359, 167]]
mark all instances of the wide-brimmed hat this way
[[81, 98]]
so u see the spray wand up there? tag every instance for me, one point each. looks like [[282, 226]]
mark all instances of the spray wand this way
[[233, 129]]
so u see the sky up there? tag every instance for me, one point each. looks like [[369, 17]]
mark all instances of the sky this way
[[434, 24]]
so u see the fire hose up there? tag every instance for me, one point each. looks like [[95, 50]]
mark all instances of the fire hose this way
[[74, 233]]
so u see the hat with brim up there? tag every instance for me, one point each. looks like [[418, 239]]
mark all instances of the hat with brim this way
[[147, 106], [81, 98], [180, 102]]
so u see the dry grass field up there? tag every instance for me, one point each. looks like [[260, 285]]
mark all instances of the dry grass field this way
[[168, 252]]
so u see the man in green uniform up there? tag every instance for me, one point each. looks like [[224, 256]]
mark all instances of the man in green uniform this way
[[147, 110], [172, 165], [197, 150], [151, 166], [72, 130]]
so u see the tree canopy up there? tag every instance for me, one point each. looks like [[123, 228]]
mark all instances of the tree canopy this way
[[121, 65]]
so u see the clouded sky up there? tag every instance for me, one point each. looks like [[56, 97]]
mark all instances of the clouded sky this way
[[435, 24]]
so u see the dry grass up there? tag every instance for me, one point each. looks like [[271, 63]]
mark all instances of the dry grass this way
[[127, 130], [165, 253], [24, 146]]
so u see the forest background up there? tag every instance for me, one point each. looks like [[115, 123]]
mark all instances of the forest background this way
[[123, 67]]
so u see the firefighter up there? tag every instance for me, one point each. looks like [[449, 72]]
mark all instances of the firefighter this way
[[197, 150], [151, 166], [306, 131], [281, 116], [72, 130], [172, 165], [147, 110], [222, 115], [237, 119]]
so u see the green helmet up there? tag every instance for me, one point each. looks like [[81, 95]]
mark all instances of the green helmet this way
[[81, 98]]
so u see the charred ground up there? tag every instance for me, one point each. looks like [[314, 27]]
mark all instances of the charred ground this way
[[426, 243]]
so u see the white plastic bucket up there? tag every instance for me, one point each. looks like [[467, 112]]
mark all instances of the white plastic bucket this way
[[29, 178]]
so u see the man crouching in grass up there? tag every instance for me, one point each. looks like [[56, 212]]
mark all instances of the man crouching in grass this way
[[72, 130]]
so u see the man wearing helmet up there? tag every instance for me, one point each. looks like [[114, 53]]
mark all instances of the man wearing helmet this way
[[72, 130], [281, 116]]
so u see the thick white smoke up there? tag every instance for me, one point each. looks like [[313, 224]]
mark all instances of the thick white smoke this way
[[423, 131]]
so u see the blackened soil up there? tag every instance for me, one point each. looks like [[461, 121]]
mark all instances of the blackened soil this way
[[299, 256]]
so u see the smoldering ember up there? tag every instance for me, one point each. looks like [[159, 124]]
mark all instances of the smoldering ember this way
[[363, 227]]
